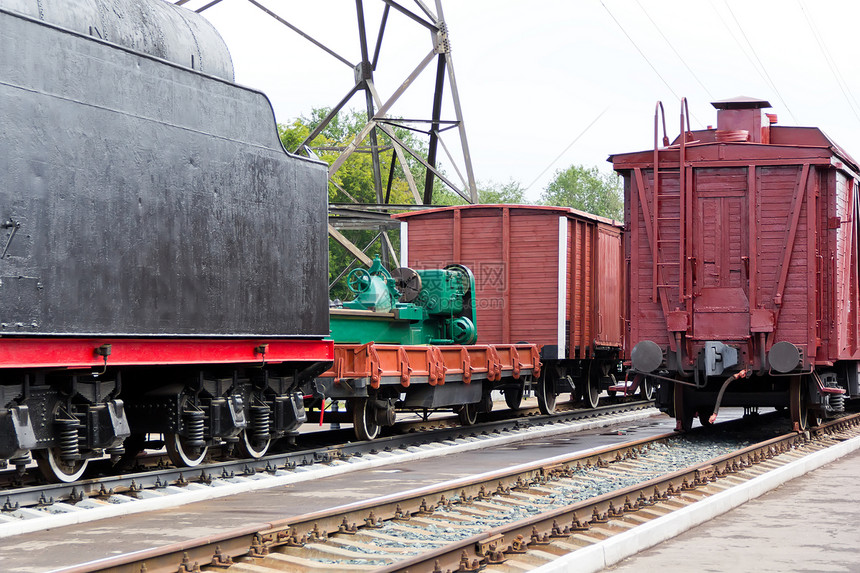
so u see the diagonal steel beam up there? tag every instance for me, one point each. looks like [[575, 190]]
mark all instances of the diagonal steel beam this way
[[398, 150], [327, 119], [426, 10], [458, 113], [307, 37], [410, 14], [383, 110]]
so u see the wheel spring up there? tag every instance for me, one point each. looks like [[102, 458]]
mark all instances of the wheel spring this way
[[259, 429], [194, 428], [837, 402], [67, 438]]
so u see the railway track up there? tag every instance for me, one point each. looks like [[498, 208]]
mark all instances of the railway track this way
[[21, 507], [515, 519], [317, 442]]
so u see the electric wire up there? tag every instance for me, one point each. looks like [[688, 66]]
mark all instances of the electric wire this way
[[762, 70], [831, 63], [641, 53], [672, 47], [565, 150]]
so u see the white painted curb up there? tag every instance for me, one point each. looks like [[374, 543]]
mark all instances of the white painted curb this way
[[260, 481], [612, 550]]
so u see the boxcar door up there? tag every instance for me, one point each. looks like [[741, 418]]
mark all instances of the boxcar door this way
[[720, 250]]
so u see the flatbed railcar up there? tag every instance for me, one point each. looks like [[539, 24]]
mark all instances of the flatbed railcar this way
[[408, 341], [163, 255], [742, 246], [550, 276]]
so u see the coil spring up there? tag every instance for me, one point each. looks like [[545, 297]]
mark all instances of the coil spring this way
[[259, 429], [194, 428], [21, 461], [67, 438], [837, 402]]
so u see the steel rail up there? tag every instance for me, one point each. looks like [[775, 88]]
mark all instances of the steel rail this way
[[535, 531], [413, 433], [256, 541]]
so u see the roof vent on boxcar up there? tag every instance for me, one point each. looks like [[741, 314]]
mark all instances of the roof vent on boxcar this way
[[153, 27], [739, 119]]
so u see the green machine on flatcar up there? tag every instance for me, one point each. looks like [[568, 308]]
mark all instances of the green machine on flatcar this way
[[435, 306]]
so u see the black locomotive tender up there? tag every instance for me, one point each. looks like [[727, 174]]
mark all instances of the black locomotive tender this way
[[160, 245]]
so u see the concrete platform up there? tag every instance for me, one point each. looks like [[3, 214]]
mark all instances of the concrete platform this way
[[805, 525]]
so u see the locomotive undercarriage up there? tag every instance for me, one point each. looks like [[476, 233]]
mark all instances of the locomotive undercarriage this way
[[246, 409], [63, 421]]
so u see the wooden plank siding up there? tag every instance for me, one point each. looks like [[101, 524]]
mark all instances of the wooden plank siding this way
[[514, 253]]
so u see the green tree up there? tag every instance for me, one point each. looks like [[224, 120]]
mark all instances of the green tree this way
[[587, 189], [512, 193]]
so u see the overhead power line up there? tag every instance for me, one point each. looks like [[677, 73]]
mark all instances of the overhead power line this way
[[760, 68], [575, 139], [672, 47], [638, 49], [831, 62]]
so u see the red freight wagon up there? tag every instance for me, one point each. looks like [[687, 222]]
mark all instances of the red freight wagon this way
[[742, 242], [551, 276]]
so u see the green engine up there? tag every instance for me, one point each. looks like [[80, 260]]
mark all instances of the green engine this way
[[405, 306]]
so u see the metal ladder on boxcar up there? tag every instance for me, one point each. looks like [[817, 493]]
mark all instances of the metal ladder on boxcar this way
[[659, 219]]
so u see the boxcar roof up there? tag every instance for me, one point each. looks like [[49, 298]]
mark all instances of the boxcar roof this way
[[559, 211], [785, 142]]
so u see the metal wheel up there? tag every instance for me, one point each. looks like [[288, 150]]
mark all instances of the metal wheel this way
[[57, 470], [468, 414], [181, 454], [591, 394], [545, 392], [683, 415], [247, 448], [798, 404], [646, 389], [364, 420], [514, 397]]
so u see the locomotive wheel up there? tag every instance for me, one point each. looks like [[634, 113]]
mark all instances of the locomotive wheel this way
[[246, 448], [364, 420], [545, 393], [798, 404], [181, 454], [514, 397], [468, 414], [683, 415], [57, 470], [591, 394]]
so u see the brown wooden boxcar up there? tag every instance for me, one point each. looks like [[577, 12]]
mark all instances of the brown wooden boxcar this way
[[551, 276], [743, 277]]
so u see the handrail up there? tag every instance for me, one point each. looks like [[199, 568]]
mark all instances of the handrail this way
[[655, 244], [682, 200]]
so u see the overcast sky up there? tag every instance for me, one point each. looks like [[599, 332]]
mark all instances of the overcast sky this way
[[533, 76]]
